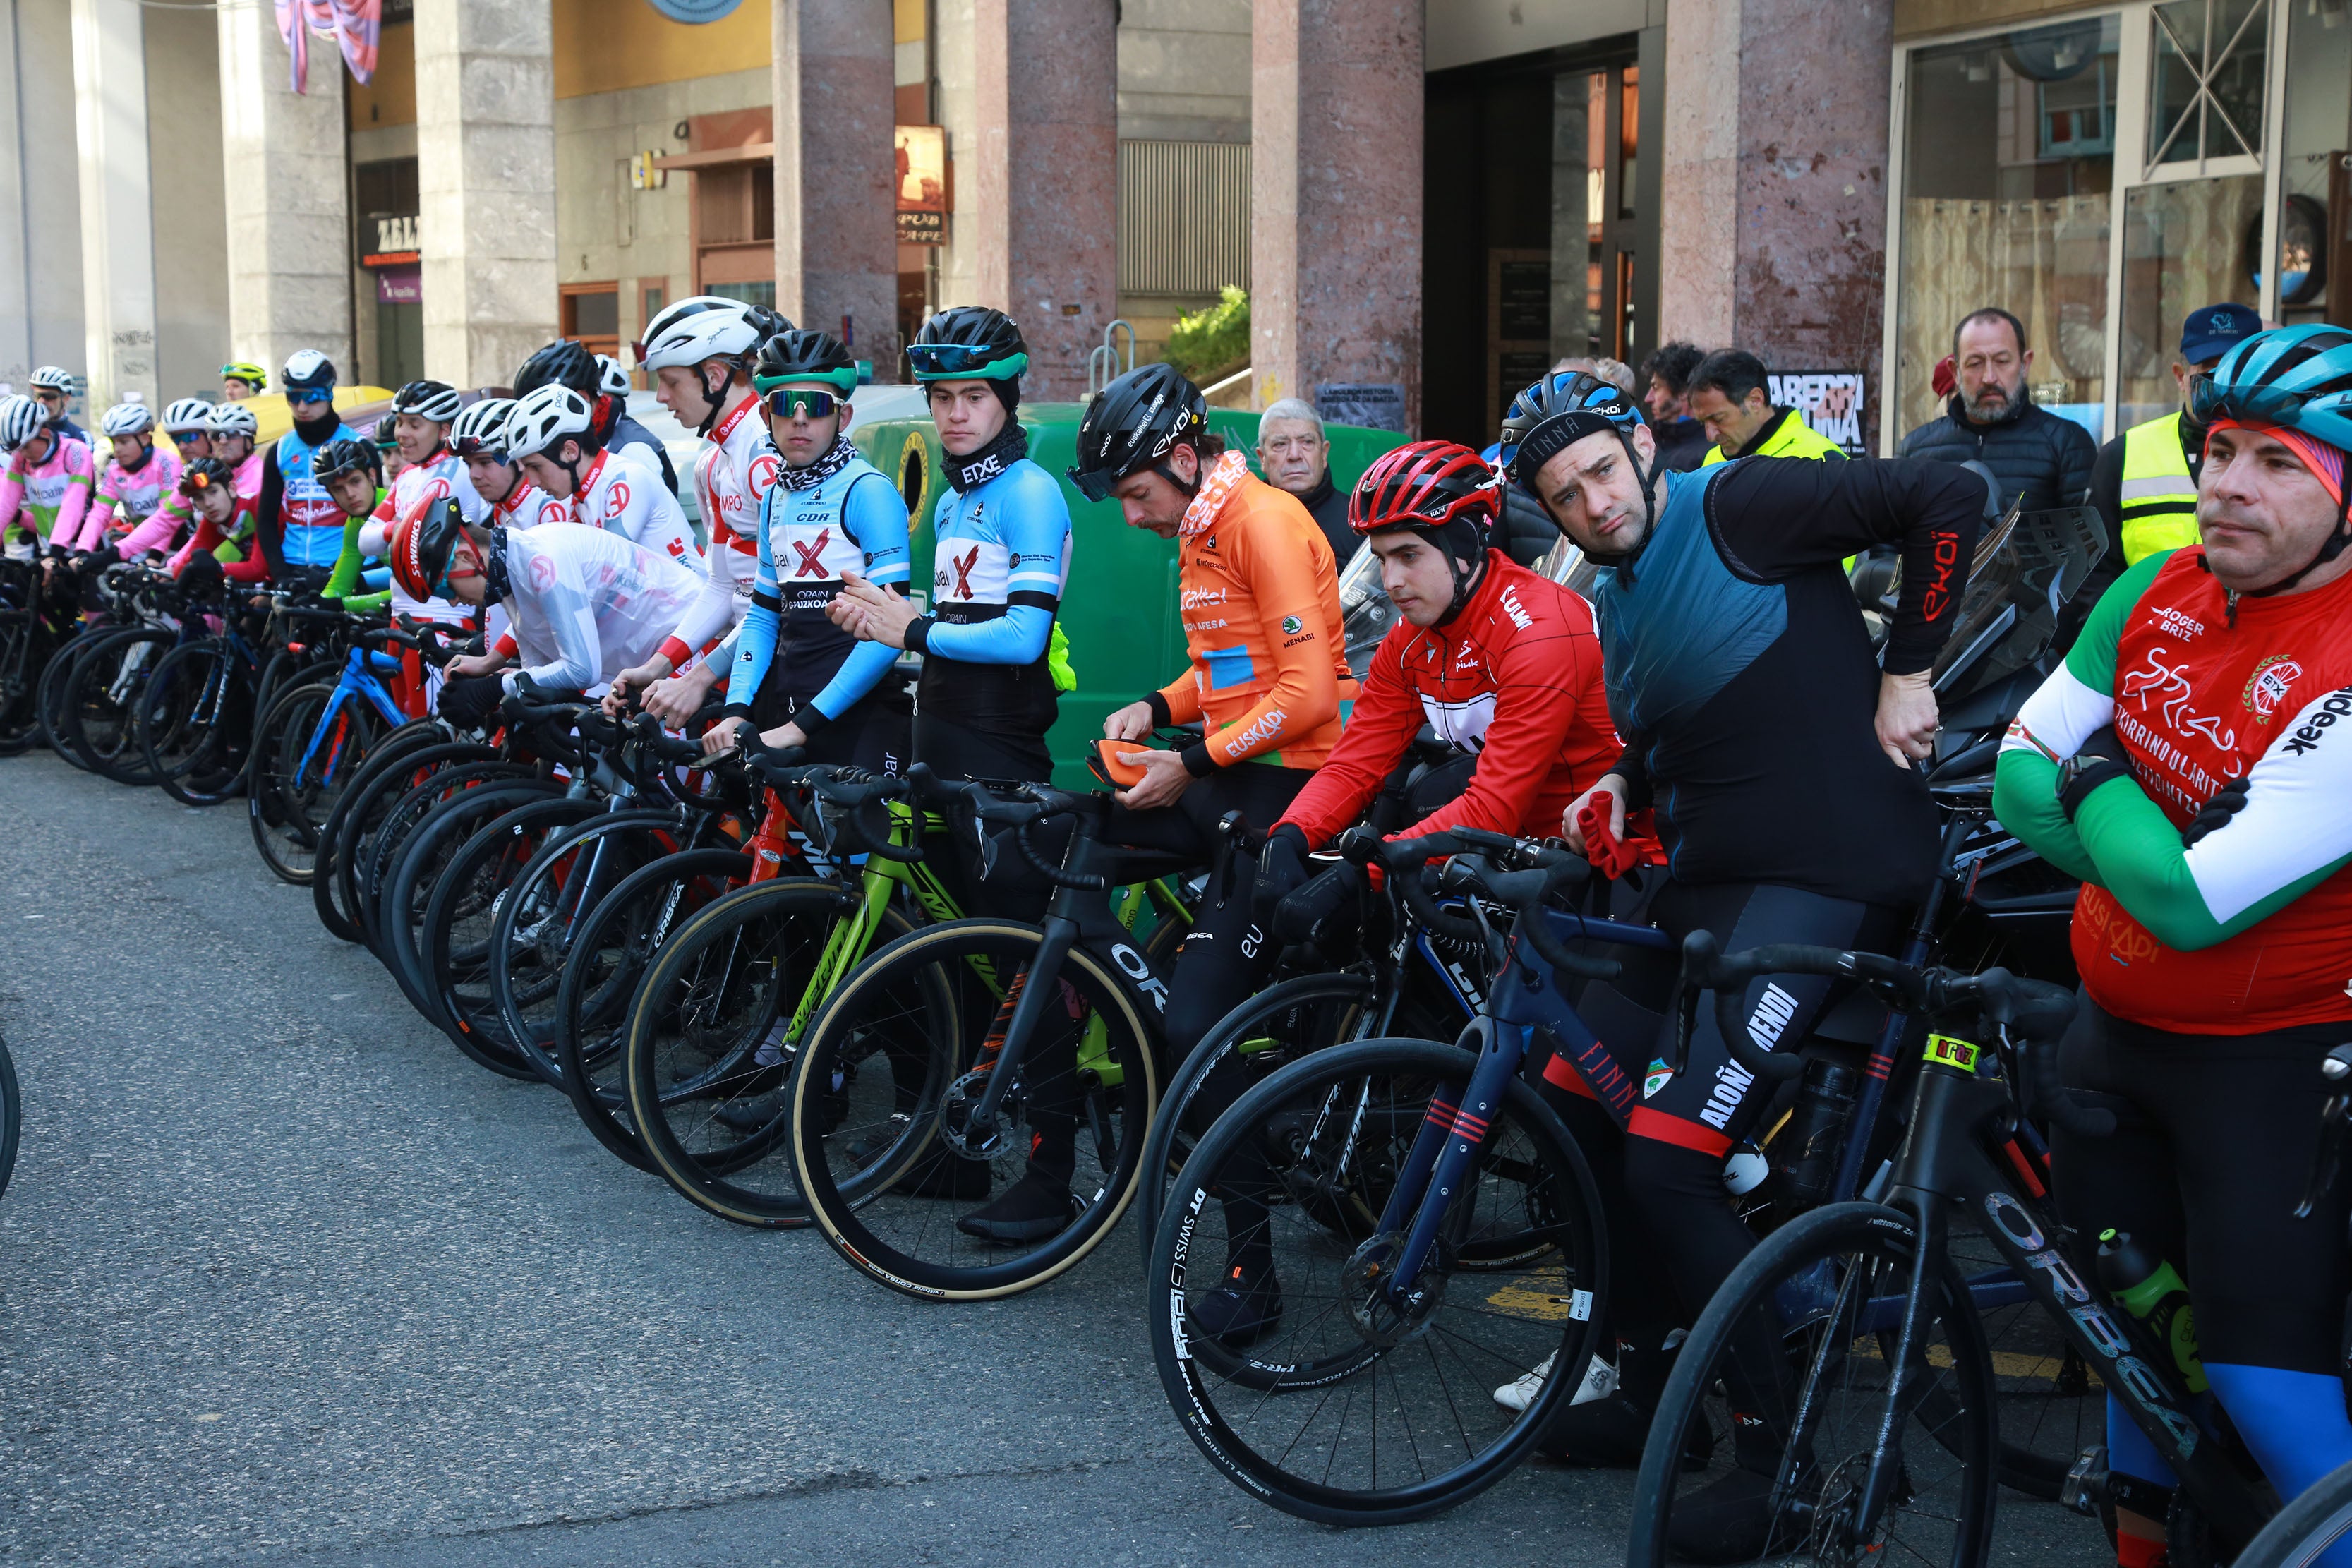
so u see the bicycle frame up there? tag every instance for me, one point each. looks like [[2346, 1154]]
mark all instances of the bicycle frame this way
[[358, 679]]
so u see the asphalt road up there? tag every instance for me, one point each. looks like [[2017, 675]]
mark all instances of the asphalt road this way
[[284, 1279]]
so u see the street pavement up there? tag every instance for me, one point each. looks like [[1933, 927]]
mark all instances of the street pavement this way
[[284, 1279]]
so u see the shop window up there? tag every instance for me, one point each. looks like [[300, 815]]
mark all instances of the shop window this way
[[592, 313], [2009, 175], [2206, 100], [2316, 173]]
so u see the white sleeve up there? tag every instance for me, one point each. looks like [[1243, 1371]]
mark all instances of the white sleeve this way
[[571, 616]]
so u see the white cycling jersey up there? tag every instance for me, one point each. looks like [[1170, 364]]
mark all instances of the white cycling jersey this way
[[735, 471], [415, 488], [615, 495], [588, 603]]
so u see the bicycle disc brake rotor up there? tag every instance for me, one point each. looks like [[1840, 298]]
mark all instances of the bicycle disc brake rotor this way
[[960, 1131], [1383, 1316]]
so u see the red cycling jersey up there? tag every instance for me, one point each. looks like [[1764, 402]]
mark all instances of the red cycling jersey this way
[[1514, 677]]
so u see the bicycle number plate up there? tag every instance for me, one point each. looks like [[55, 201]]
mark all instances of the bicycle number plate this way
[[1946, 1051]]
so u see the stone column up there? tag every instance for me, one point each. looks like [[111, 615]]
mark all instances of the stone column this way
[[1044, 213], [16, 360], [836, 224], [1335, 212], [486, 185], [118, 226], [288, 199], [1774, 228]]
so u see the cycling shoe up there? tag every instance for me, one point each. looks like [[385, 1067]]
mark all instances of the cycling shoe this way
[[1243, 1311], [1729, 1520], [1032, 1209]]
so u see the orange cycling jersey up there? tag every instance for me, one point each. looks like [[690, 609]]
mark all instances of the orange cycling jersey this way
[[1261, 605]]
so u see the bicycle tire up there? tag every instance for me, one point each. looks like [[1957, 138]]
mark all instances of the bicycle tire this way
[[94, 723], [767, 939], [381, 852], [607, 959], [545, 907], [2306, 1527], [425, 856], [197, 762], [454, 943], [331, 884], [1161, 1156], [390, 775], [29, 645], [12, 1116], [1263, 1412], [887, 1135], [57, 677], [1792, 1289], [295, 774]]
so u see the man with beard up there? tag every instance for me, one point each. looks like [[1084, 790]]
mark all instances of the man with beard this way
[[1991, 417]]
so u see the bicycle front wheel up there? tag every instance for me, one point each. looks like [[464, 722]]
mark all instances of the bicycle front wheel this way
[[303, 756], [1795, 1371], [2303, 1532], [902, 1186], [1341, 1392]]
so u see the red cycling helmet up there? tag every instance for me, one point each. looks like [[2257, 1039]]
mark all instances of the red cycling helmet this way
[[1426, 485], [421, 544]]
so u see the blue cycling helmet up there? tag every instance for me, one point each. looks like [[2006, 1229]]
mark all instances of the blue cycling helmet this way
[[2298, 378], [1555, 414]]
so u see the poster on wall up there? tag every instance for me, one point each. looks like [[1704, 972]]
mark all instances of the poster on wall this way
[[1372, 404], [1830, 401], [922, 152]]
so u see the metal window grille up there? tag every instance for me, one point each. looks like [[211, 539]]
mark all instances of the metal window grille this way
[[1183, 216]]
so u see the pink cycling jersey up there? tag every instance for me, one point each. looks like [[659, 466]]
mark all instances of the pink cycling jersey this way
[[127, 498], [45, 500], [164, 525]]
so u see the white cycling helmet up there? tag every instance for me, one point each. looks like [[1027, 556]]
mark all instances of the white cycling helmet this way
[[53, 378], [433, 400], [480, 431], [308, 369], [128, 419], [545, 418], [703, 327], [233, 419], [611, 379], [184, 415], [21, 419]]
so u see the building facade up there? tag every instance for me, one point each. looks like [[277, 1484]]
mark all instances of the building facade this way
[[1428, 202]]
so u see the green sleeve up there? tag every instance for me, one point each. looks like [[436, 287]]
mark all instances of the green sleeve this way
[[2025, 799], [2141, 860], [348, 566]]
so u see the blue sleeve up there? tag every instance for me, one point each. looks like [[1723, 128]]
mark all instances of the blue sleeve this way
[[1036, 529], [875, 517], [755, 636], [1017, 637]]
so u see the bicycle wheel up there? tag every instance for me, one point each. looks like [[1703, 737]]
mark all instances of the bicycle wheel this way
[[2299, 1534], [348, 836], [454, 942], [56, 681], [541, 911], [2052, 1408], [604, 962], [101, 704], [303, 758], [12, 1115], [26, 645], [1339, 1405], [329, 880], [715, 1029], [423, 858], [1271, 1029], [893, 1061], [1794, 1359], [380, 855], [195, 721]]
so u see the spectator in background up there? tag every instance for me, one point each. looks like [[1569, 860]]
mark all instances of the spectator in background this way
[[1730, 394], [1615, 372], [1294, 455], [1666, 378], [2145, 481], [2039, 457]]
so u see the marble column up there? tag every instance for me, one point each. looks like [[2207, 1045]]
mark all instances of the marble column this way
[[836, 210], [117, 222], [287, 202], [1044, 213], [486, 185], [1336, 202]]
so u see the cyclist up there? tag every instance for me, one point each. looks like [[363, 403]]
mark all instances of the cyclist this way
[[1758, 723], [1259, 590], [47, 484], [53, 389], [585, 604], [296, 522], [352, 472], [2184, 763], [797, 678], [241, 379], [700, 351], [566, 363], [993, 668], [139, 477], [223, 516], [479, 437], [230, 432], [184, 421], [551, 434]]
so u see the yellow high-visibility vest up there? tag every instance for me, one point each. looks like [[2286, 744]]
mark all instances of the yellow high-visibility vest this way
[[1793, 437], [2159, 499]]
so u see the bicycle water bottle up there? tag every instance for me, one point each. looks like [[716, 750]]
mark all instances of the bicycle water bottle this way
[[2153, 1291], [1805, 1154]]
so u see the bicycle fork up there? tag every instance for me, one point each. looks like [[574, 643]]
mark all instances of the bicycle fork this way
[[1443, 1161]]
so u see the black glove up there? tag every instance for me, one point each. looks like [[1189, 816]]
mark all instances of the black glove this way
[[1281, 867], [470, 700], [202, 577], [2227, 802], [1297, 917], [2100, 759]]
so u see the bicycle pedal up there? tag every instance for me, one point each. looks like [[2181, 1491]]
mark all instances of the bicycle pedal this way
[[2085, 1485]]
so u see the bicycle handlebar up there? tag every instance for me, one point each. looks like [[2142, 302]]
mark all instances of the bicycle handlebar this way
[[1040, 802]]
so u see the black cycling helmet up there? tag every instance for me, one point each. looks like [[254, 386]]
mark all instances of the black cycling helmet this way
[[561, 363], [971, 342], [1562, 409], [801, 353], [205, 473], [1133, 423], [343, 456]]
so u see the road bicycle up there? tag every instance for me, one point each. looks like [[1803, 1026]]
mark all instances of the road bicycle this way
[[312, 740], [1843, 1365]]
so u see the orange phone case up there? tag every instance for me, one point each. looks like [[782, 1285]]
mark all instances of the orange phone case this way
[[1126, 775]]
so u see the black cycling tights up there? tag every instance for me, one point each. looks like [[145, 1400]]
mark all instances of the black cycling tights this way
[[2213, 1145]]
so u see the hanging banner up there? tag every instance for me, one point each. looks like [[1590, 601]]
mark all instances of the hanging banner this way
[[1830, 401], [357, 25], [922, 154]]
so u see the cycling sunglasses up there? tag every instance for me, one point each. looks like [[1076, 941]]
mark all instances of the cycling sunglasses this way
[[962, 359], [786, 401], [2210, 400]]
